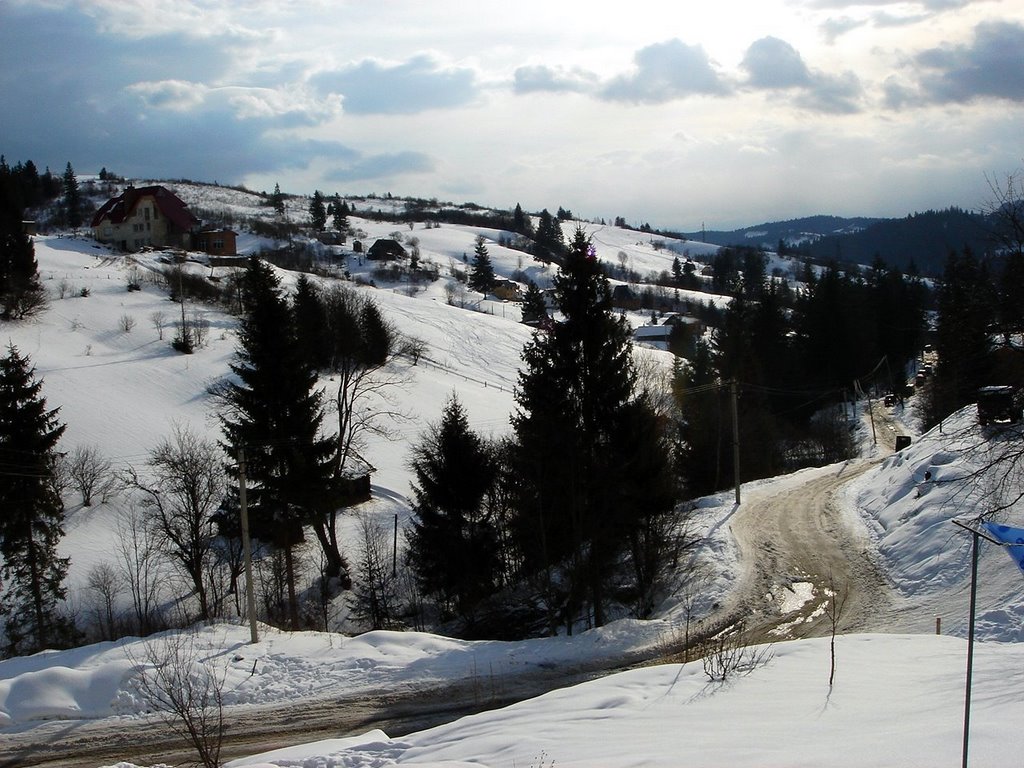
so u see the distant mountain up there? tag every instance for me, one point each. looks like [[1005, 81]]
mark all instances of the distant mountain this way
[[794, 232], [923, 240]]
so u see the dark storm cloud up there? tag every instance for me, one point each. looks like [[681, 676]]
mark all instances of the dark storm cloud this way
[[363, 168], [989, 66], [531, 79], [666, 71], [138, 107], [414, 86]]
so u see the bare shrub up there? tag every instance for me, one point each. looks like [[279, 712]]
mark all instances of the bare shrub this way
[[185, 692], [126, 323], [159, 320], [728, 654]]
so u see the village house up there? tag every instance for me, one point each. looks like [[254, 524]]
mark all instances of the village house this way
[[386, 249], [144, 216], [217, 242]]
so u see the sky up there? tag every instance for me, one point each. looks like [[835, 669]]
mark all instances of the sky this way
[[722, 114]]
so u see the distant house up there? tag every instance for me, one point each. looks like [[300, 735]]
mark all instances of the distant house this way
[[144, 216], [386, 250], [216, 242], [507, 290]]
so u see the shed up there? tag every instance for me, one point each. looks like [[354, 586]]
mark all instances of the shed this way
[[386, 249]]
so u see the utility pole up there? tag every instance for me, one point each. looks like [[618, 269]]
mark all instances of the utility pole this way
[[250, 593], [735, 440]]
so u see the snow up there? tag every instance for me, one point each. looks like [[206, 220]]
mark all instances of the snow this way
[[897, 698]]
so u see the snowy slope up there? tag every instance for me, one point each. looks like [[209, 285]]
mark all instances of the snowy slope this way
[[123, 391]]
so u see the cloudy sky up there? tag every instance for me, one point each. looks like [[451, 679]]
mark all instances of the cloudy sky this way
[[722, 112]]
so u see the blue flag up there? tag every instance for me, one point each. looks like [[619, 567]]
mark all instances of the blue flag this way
[[1013, 537]]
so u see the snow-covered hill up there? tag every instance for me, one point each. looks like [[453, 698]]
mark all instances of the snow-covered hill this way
[[896, 698]]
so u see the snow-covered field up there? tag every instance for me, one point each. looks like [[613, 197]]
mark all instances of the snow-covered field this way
[[897, 698]]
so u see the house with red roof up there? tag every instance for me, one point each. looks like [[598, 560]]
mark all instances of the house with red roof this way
[[144, 216]]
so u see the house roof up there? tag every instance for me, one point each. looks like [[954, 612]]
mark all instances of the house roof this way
[[118, 209], [387, 245]]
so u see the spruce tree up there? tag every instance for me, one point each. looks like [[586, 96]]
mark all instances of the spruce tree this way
[[31, 513], [21, 293], [549, 243], [318, 212], [277, 200], [535, 310], [481, 275], [574, 398], [72, 198], [274, 413], [453, 546], [339, 214]]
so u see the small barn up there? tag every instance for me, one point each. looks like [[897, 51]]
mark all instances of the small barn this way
[[386, 249]]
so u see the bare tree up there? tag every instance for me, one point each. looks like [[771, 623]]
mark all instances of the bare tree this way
[[363, 359], [139, 563], [126, 322], [185, 692], [106, 584], [159, 320], [185, 488], [375, 596], [838, 595], [91, 473], [1006, 211]]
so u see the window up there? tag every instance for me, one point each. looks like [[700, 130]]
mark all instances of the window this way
[[218, 245], [145, 212]]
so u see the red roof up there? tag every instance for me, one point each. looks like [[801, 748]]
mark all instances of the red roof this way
[[119, 208]]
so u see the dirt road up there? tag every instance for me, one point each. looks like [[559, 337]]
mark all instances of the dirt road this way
[[803, 563], [796, 550]]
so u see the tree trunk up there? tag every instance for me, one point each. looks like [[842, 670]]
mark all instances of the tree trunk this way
[[293, 603]]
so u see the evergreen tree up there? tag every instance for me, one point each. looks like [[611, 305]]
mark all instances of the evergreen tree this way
[[521, 222], [534, 308], [21, 293], [549, 243], [274, 413], [575, 397], [311, 323], [966, 311], [339, 214], [453, 546], [481, 275], [31, 513], [277, 200], [318, 212], [72, 198]]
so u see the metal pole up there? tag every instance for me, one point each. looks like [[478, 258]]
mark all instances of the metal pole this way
[[394, 550], [970, 644], [735, 441], [250, 594]]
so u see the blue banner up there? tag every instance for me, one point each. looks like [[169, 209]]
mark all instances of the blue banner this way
[[1013, 538]]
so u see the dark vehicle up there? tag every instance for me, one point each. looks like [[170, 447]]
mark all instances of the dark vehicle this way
[[996, 406]]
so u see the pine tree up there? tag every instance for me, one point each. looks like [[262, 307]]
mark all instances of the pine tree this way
[[574, 398], [534, 309], [339, 214], [273, 412], [453, 546], [318, 212], [72, 198], [277, 200], [31, 513], [521, 222], [549, 243], [481, 275], [21, 293]]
